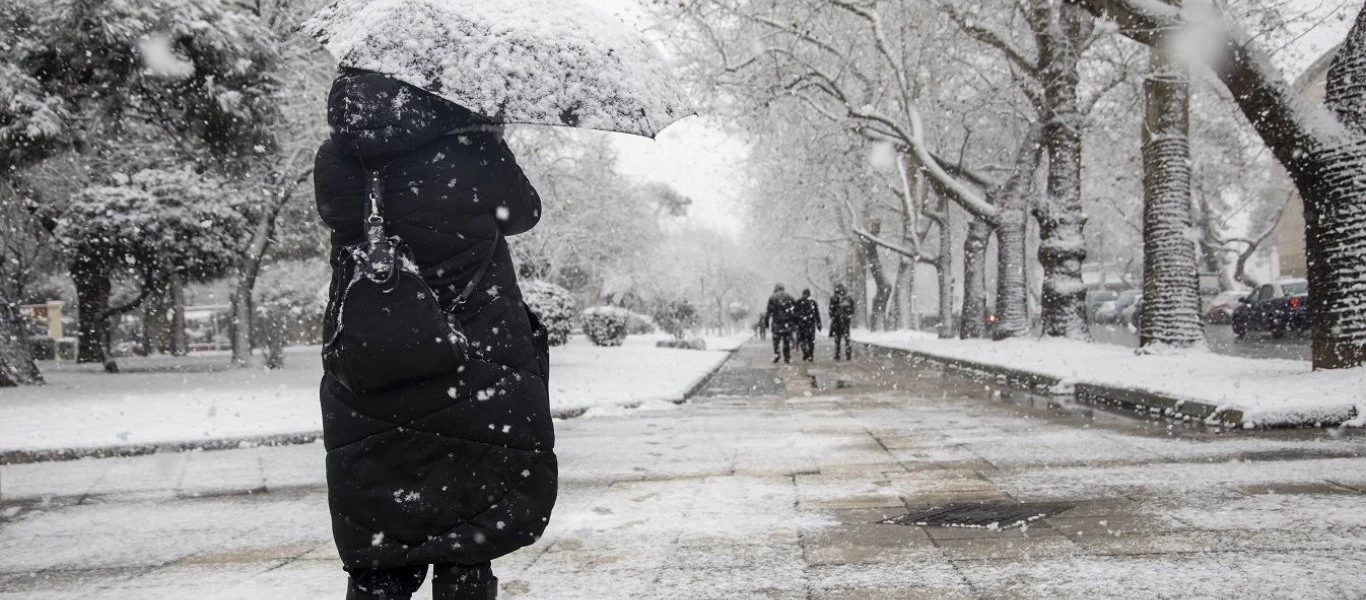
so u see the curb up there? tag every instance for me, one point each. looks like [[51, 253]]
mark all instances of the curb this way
[[20, 457], [705, 379], [1148, 404]]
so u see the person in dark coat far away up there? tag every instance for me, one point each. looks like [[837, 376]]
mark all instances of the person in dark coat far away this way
[[762, 326], [841, 317], [808, 317], [460, 469], [780, 322]]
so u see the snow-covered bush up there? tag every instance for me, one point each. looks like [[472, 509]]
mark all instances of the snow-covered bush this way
[[638, 324], [676, 317], [606, 325], [554, 306]]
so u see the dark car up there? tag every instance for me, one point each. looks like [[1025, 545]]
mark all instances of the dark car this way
[[1220, 309], [1278, 308]]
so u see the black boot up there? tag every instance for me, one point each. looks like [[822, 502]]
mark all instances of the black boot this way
[[456, 582]]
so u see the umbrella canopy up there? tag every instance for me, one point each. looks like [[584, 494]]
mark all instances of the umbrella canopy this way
[[539, 62]]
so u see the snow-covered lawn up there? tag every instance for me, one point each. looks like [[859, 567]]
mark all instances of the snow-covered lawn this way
[[1268, 392], [176, 400]]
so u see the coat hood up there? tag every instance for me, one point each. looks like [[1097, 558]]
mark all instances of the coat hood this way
[[372, 114]]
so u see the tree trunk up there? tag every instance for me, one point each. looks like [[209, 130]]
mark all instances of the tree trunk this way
[[1061, 216], [859, 283], [1012, 225], [180, 345], [93, 290], [882, 296], [974, 318], [944, 264], [1012, 293], [16, 360], [905, 295], [241, 327], [877, 318], [1171, 281], [156, 324], [1335, 217]]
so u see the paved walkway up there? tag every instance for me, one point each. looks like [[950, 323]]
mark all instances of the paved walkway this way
[[771, 484]]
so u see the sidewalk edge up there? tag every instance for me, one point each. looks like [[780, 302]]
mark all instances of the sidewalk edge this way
[[1136, 401], [19, 457]]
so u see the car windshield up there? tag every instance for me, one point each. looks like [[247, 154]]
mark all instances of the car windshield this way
[[1295, 288]]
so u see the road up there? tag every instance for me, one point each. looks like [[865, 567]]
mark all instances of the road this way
[[774, 482], [1221, 340]]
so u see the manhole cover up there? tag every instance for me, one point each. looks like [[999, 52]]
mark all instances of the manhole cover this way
[[988, 516]]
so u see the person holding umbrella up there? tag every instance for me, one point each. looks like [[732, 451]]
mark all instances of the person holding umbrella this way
[[457, 468]]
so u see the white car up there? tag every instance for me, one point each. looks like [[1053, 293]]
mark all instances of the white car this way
[[1108, 312]]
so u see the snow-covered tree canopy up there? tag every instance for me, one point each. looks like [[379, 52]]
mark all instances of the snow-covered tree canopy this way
[[78, 73], [157, 221]]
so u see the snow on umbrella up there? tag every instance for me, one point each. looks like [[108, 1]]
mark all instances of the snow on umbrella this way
[[538, 62]]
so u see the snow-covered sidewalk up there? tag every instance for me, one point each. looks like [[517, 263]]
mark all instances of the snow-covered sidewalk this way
[[197, 399], [1266, 392]]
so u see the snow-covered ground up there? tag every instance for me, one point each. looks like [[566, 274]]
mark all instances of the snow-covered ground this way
[[1268, 392], [177, 400]]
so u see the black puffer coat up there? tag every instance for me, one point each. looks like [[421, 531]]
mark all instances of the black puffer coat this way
[[459, 469]]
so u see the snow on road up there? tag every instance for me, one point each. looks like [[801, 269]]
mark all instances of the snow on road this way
[[176, 400], [1268, 392]]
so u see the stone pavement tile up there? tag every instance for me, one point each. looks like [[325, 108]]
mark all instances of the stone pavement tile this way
[[1347, 541], [834, 492], [1031, 530], [48, 480], [1100, 507], [736, 556], [960, 593], [248, 554], [870, 468], [910, 442], [189, 580], [1113, 525], [930, 578], [1012, 548], [948, 499], [226, 475], [300, 579], [1296, 488], [773, 582], [606, 559], [956, 482], [540, 584], [867, 544], [84, 583], [864, 516], [1253, 575], [322, 551]]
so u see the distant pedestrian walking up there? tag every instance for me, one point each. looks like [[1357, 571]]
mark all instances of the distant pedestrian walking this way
[[841, 318], [781, 320], [762, 326], [808, 313]]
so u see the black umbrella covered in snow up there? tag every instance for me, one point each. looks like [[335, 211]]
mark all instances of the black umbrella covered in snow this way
[[537, 62]]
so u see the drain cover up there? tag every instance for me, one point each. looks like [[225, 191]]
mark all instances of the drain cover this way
[[989, 516]]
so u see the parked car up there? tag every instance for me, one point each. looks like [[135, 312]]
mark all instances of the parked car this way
[[1094, 300], [1116, 311], [1107, 312], [1220, 311], [1133, 313], [1278, 308]]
